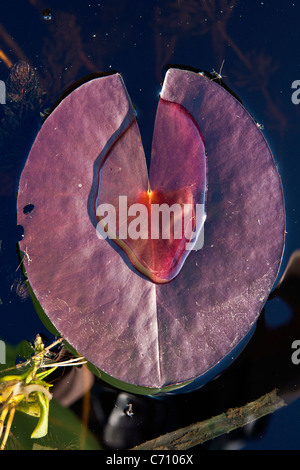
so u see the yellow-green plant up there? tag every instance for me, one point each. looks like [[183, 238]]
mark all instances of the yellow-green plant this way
[[24, 389]]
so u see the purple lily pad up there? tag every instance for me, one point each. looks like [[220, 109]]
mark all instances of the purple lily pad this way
[[133, 329]]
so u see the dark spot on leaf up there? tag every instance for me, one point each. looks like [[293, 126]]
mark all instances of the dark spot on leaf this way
[[28, 208], [20, 232]]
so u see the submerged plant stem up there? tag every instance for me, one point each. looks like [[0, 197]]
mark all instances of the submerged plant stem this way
[[197, 433], [8, 426]]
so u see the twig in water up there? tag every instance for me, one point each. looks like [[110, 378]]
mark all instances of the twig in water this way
[[197, 433]]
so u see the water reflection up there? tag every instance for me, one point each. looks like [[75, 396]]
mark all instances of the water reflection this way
[[174, 21], [77, 40]]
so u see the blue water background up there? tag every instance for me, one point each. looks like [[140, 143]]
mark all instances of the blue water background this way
[[140, 38]]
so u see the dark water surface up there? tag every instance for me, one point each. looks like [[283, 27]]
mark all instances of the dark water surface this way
[[256, 46]]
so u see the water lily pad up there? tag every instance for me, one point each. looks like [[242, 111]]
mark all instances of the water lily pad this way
[[137, 331]]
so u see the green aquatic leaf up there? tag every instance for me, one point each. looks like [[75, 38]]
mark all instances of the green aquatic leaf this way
[[41, 428], [65, 432]]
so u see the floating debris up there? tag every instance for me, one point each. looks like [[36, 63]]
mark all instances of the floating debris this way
[[47, 15]]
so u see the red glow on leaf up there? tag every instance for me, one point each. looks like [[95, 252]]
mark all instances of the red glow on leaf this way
[[178, 177]]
